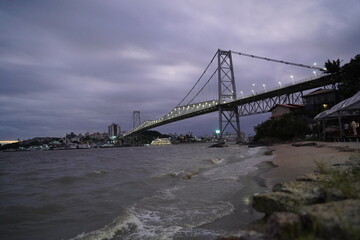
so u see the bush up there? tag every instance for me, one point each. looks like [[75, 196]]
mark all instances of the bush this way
[[285, 128]]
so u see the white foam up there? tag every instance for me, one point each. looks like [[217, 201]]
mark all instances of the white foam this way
[[125, 223], [217, 160], [168, 193]]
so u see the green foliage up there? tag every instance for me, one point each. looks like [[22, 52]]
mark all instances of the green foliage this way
[[285, 128], [343, 180]]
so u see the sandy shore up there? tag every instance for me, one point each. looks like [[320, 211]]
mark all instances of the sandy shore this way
[[293, 162]]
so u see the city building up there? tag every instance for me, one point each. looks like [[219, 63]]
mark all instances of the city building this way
[[319, 100], [114, 130], [280, 109]]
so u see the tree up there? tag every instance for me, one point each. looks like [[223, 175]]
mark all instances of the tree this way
[[286, 128], [350, 78], [332, 67]]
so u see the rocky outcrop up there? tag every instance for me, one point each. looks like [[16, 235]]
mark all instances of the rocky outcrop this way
[[333, 220], [289, 197], [322, 205], [218, 145], [304, 144], [283, 225]]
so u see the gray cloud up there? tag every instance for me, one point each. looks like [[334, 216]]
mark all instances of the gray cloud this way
[[80, 65]]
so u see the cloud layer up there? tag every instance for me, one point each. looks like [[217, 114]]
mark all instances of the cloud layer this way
[[81, 65]]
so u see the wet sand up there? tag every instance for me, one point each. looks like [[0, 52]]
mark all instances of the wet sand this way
[[293, 162]]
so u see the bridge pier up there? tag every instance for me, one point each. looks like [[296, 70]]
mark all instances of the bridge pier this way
[[228, 116]]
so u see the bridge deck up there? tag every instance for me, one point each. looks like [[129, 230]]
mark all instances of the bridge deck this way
[[249, 105]]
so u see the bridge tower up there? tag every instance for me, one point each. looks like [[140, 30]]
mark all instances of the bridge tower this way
[[228, 116], [136, 119]]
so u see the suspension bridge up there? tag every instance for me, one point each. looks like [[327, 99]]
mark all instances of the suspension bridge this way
[[227, 103]]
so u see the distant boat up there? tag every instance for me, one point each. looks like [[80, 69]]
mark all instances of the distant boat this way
[[161, 141], [107, 145]]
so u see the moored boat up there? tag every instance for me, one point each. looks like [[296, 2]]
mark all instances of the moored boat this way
[[161, 141]]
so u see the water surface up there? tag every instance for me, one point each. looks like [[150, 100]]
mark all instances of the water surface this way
[[162, 192]]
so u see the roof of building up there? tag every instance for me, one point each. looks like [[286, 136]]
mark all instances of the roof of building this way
[[352, 103], [319, 91], [292, 106]]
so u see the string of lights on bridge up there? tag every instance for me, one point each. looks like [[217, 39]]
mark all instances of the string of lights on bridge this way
[[191, 108]]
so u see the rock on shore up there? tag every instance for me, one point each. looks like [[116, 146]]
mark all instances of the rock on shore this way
[[322, 205]]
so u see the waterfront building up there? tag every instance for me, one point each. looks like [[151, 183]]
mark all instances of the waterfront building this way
[[114, 130], [281, 109]]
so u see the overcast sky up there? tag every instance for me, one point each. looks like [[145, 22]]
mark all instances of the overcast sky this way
[[77, 66]]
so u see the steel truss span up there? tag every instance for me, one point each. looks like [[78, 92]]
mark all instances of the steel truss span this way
[[230, 107]]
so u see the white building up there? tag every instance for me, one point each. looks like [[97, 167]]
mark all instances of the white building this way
[[114, 130]]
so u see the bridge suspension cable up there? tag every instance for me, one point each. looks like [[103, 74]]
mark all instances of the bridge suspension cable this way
[[278, 61], [198, 82]]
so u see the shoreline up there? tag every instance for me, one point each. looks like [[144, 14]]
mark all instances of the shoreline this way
[[288, 163], [291, 162]]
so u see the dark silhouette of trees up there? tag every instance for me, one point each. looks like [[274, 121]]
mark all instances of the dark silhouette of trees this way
[[285, 128], [350, 78], [332, 67]]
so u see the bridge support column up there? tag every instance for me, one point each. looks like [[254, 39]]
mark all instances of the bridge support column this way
[[229, 115]]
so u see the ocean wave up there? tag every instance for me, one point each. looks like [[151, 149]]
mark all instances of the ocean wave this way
[[217, 160], [168, 193], [162, 221], [122, 226], [179, 174]]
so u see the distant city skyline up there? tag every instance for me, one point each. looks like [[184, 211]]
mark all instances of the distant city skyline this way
[[78, 66]]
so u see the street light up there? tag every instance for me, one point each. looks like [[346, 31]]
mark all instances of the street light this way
[[314, 72], [292, 79], [264, 87], [280, 83], [242, 94]]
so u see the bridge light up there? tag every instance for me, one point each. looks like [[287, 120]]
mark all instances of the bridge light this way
[[292, 78], [217, 131], [279, 83], [314, 72]]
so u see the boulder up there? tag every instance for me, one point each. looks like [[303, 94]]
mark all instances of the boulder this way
[[283, 225], [276, 202], [333, 220], [304, 144], [308, 192], [218, 145]]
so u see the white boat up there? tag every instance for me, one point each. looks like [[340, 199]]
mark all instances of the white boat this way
[[161, 141]]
